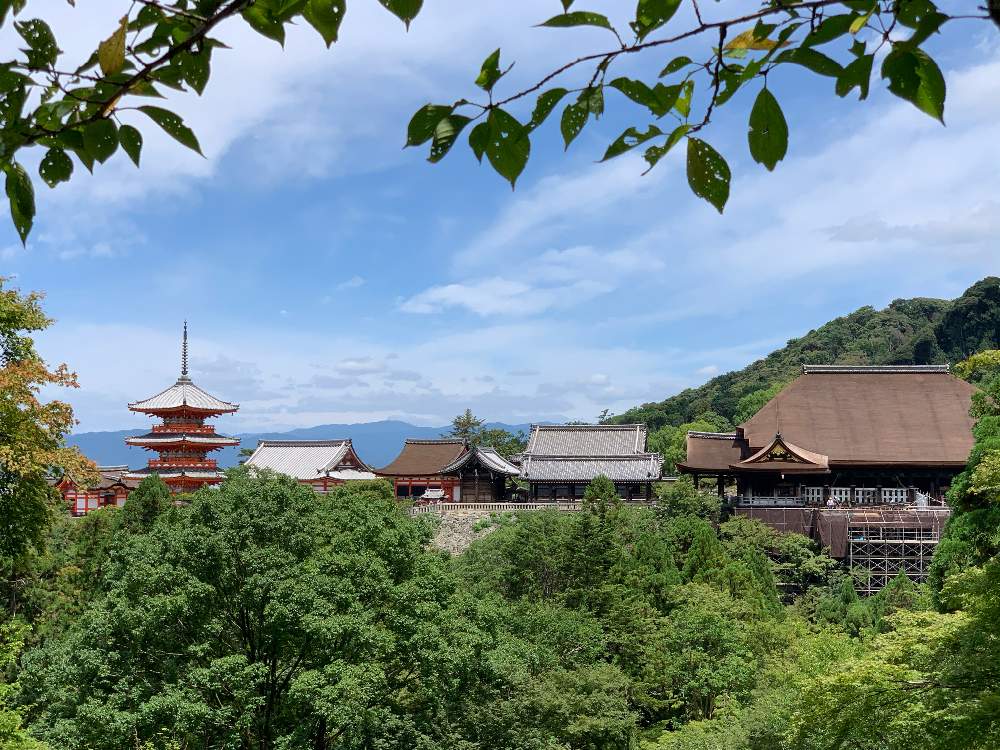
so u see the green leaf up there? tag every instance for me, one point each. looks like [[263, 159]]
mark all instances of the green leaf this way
[[653, 154], [508, 145], [768, 132], [928, 25], [489, 73], [683, 103], [262, 20], [479, 138], [21, 195], [55, 167], [629, 140], [707, 173], [574, 117], [652, 14], [445, 133], [830, 28], [405, 10], [857, 73], [912, 12], [173, 125], [73, 140], [100, 138], [676, 64], [325, 16], [42, 51], [592, 99], [915, 77], [815, 61], [422, 124], [111, 52], [659, 100], [5, 7], [194, 68], [546, 102], [131, 141], [578, 18]]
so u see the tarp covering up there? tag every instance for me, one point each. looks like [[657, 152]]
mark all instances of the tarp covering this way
[[786, 520], [831, 528]]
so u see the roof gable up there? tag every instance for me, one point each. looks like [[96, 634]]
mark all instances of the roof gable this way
[[781, 455], [486, 457]]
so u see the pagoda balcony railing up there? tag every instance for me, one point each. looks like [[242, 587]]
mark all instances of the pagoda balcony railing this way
[[183, 463], [189, 427]]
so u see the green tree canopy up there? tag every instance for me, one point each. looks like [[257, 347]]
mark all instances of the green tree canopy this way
[[31, 429]]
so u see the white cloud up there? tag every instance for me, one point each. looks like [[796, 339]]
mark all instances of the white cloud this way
[[352, 283], [707, 370]]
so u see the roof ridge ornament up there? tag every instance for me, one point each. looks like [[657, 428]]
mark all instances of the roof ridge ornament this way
[[873, 369], [184, 354]]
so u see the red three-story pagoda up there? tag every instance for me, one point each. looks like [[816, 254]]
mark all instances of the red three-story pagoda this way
[[183, 441]]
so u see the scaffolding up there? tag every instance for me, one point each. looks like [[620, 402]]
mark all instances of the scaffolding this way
[[884, 542]]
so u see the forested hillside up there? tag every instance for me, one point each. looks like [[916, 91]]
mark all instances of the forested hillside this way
[[908, 331]]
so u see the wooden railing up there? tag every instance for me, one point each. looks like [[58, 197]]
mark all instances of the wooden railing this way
[[443, 508], [189, 427], [185, 463]]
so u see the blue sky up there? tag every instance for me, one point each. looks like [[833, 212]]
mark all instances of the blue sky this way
[[328, 275]]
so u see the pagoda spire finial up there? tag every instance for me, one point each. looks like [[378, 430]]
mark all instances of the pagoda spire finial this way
[[184, 352]]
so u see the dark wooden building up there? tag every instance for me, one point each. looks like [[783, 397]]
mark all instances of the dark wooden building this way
[[483, 476], [419, 469], [845, 436], [858, 458], [561, 460]]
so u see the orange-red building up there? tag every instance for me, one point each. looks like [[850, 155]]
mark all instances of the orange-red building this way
[[419, 469], [182, 440], [113, 488]]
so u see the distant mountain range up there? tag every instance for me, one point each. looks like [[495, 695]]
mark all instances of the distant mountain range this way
[[377, 443]]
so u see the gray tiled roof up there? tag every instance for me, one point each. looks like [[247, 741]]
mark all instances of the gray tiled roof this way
[[183, 393], [168, 438], [488, 457], [305, 459], [586, 440], [643, 467]]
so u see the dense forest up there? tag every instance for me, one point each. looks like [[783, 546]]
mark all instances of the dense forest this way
[[908, 331], [265, 616], [258, 615]]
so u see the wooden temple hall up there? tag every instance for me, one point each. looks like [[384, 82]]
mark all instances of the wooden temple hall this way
[[450, 470], [561, 460], [858, 458], [845, 436]]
